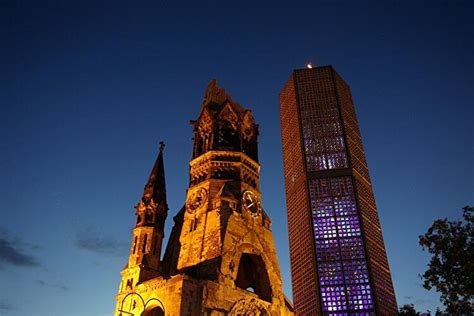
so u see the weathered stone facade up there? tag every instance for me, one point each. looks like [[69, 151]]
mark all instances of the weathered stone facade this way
[[220, 258]]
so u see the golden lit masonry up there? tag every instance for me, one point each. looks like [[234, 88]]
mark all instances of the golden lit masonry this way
[[220, 258]]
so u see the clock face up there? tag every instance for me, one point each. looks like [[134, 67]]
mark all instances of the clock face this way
[[197, 199], [251, 202]]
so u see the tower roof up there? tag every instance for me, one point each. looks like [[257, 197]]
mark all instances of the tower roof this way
[[155, 188]]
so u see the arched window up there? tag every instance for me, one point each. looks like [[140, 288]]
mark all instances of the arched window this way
[[227, 138], [129, 284], [144, 243], [135, 244], [252, 276], [200, 146]]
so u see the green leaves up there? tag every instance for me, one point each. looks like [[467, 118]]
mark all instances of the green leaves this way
[[451, 268], [408, 310]]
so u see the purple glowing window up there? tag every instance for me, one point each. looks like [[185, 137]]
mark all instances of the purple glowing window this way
[[327, 250], [355, 271], [344, 205], [336, 160], [341, 187], [348, 226], [324, 143], [334, 298], [321, 190], [342, 268], [359, 297], [351, 248], [325, 227], [322, 207], [330, 273]]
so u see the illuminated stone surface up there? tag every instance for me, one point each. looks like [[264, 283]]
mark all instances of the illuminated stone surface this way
[[220, 258]]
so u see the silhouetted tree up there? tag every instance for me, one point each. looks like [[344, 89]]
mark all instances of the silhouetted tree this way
[[408, 310], [451, 269]]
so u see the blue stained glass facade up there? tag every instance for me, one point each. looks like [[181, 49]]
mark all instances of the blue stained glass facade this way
[[342, 266], [332, 216]]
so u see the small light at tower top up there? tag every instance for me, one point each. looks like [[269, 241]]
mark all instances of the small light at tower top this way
[[309, 65]]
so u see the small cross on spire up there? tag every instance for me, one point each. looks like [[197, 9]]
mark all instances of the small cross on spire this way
[[162, 146]]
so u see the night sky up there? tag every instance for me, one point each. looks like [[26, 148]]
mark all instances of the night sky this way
[[88, 89]]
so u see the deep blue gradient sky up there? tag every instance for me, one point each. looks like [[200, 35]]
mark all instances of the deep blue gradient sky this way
[[88, 89]]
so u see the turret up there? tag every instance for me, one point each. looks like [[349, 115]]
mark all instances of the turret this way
[[148, 234]]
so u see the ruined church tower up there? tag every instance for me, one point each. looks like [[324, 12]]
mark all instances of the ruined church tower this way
[[220, 258]]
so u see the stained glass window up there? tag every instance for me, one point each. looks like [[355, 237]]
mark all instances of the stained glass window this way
[[351, 248], [330, 273], [321, 127], [359, 297], [342, 266], [333, 298]]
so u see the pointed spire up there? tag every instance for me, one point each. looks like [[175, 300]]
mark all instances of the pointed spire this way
[[155, 189]]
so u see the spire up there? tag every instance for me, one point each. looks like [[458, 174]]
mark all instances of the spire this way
[[151, 212], [155, 189]]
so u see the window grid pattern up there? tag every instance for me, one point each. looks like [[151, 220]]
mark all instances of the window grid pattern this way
[[342, 265], [318, 89], [330, 273], [320, 121], [333, 298], [377, 259], [303, 272]]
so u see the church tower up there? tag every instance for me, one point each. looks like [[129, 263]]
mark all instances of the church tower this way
[[147, 238], [220, 258]]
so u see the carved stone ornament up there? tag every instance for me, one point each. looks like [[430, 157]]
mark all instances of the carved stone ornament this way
[[205, 123], [227, 114], [247, 126], [249, 307], [147, 205]]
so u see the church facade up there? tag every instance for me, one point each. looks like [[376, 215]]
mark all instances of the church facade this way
[[220, 258]]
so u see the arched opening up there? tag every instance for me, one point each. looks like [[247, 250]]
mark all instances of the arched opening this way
[[252, 276], [155, 311], [226, 137], [199, 146], [129, 284]]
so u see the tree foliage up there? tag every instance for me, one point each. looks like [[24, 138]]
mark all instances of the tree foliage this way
[[408, 310], [451, 269]]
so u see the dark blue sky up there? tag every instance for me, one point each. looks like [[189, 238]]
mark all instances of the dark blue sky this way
[[88, 89]]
